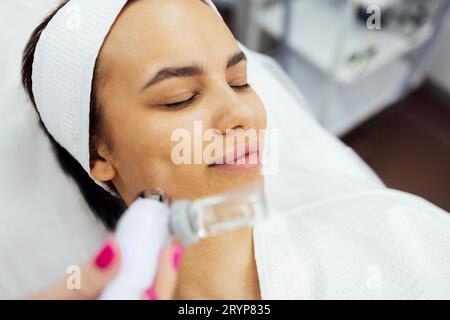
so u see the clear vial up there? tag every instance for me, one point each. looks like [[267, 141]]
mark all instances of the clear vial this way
[[193, 220]]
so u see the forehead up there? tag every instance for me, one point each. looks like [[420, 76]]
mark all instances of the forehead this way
[[163, 32]]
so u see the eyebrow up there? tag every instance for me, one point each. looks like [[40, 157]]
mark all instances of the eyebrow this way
[[235, 59], [190, 71]]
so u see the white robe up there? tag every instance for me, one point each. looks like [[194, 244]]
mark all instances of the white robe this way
[[381, 244]]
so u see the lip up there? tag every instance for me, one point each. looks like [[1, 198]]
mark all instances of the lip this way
[[242, 158]]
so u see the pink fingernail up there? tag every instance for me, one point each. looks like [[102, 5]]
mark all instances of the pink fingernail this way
[[177, 252], [151, 295], [105, 256]]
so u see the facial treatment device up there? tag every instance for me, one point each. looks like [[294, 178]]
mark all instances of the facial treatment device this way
[[151, 222], [193, 220]]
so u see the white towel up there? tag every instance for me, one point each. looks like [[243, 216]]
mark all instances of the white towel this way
[[381, 244]]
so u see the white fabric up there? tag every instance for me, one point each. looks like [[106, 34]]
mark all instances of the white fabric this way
[[379, 244], [46, 226], [63, 67]]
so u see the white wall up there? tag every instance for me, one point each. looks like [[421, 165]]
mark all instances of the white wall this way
[[440, 66]]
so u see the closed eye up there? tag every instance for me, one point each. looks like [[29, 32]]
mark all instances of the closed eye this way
[[183, 103], [241, 87]]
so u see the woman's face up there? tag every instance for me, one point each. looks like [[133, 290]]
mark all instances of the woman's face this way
[[165, 65]]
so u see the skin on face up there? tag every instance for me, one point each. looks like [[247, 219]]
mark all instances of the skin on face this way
[[135, 152]]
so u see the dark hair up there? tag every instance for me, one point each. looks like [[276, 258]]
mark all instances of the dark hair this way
[[106, 207]]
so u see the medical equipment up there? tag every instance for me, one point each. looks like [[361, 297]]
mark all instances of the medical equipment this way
[[150, 222], [191, 221]]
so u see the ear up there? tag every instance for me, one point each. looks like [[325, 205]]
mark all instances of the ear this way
[[102, 168]]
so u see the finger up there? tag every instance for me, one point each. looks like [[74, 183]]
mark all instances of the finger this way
[[165, 281], [94, 276]]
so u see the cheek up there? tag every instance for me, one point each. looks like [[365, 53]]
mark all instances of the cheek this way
[[142, 148], [141, 142]]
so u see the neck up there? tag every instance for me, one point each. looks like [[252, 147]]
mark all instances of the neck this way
[[221, 267]]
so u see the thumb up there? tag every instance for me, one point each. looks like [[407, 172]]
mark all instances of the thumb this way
[[94, 275]]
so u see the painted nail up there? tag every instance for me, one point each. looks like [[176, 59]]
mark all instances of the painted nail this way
[[105, 256], [151, 294], [177, 252]]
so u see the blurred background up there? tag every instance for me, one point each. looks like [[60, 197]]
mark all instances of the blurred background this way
[[376, 73]]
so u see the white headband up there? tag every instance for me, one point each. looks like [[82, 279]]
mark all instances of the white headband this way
[[63, 68]]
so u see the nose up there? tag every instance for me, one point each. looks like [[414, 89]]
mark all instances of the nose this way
[[231, 111]]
